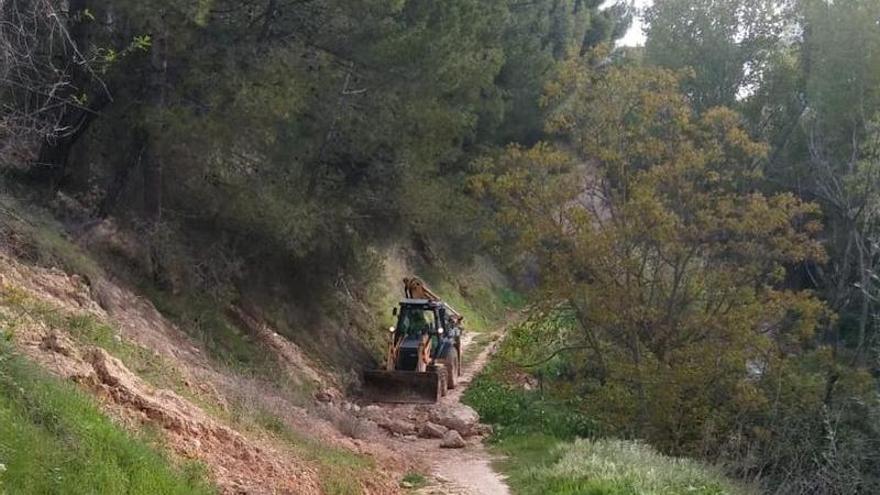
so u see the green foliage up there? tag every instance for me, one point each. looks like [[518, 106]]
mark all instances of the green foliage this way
[[499, 396], [53, 439], [540, 431], [413, 481], [677, 251], [724, 44], [813, 97], [32, 234], [347, 117], [685, 292], [541, 465], [515, 412], [293, 140]]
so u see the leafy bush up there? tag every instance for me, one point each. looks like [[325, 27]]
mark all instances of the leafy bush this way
[[515, 411], [500, 399]]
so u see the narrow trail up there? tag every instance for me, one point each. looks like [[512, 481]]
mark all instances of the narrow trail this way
[[466, 471]]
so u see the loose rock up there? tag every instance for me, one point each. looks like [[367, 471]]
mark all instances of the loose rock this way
[[432, 430], [324, 396], [452, 440], [457, 417], [400, 427]]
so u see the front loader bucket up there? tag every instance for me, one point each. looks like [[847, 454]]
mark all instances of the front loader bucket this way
[[403, 387]]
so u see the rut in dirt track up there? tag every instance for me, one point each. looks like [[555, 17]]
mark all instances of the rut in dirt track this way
[[465, 471]]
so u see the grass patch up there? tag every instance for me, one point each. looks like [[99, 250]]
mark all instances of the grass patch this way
[[551, 447], [54, 440], [339, 470], [203, 319], [542, 465], [32, 234], [88, 330], [514, 411], [229, 345], [413, 481]]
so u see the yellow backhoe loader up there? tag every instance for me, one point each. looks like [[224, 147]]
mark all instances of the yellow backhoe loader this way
[[424, 350]]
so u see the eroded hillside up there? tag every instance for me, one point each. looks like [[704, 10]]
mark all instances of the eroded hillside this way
[[291, 428]]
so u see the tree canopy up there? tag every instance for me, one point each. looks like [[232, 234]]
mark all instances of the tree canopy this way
[[702, 211]]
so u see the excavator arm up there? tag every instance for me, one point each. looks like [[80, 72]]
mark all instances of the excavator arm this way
[[414, 288]]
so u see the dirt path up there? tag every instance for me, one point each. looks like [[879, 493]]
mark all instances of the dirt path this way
[[466, 471]]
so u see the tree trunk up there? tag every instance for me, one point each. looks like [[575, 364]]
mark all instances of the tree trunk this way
[[152, 170], [152, 157], [864, 313], [54, 156], [643, 413], [122, 173]]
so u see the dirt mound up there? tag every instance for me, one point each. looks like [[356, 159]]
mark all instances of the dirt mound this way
[[239, 461], [194, 415], [239, 465]]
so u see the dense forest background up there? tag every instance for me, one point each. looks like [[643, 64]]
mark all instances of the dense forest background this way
[[698, 218]]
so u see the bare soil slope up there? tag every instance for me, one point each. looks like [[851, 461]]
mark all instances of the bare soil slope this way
[[50, 316], [253, 435]]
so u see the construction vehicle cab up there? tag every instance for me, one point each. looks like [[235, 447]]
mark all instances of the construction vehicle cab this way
[[418, 319], [424, 350]]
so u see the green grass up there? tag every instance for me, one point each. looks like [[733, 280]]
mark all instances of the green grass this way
[[33, 234], [413, 481], [204, 320], [53, 439], [515, 411], [340, 470], [231, 347], [88, 330], [550, 446], [537, 464]]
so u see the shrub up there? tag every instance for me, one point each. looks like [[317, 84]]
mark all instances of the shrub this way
[[516, 411], [538, 465]]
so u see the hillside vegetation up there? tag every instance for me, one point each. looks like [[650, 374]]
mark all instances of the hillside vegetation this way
[[540, 465], [54, 439], [692, 226]]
